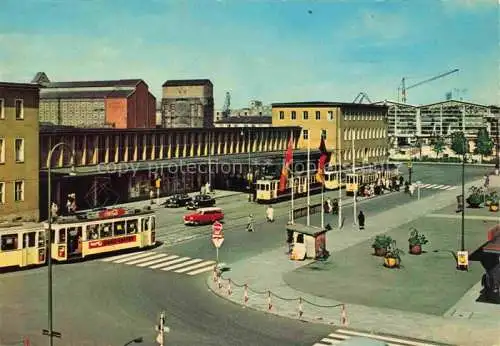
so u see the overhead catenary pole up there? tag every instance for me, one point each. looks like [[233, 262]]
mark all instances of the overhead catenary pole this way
[[356, 180], [308, 184], [292, 183], [209, 159], [339, 153]]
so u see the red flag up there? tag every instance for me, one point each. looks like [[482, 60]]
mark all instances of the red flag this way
[[324, 158], [286, 166]]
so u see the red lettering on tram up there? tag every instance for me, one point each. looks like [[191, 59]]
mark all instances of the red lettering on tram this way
[[105, 214], [109, 242]]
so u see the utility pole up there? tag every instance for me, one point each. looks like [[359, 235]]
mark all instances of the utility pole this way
[[339, 162], [308, 181], [357, 180]]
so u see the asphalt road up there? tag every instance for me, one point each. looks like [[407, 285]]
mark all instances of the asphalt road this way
[[100, 303]]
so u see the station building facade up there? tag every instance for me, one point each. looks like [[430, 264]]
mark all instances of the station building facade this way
[[19, 167], [357, 132]]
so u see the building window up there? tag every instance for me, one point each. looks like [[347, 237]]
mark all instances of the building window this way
[[323, 134], [318, 115], [294, 115], [2, 109], [282, 115], [330, 115], [305, 134], [19, 149], [2, 150], [19, 109], [2, 192], [305, 115], [19, 191]]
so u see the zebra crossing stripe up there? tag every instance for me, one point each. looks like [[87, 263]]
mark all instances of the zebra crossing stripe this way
[[132, 257], [145, 264], [452, 188], [202, 270], [180, 265], [384, 338], [196, 266], [109, 259], [166, 264], [425, 186], [431, 186], [140, 260]]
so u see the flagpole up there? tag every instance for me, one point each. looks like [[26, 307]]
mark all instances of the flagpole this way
[[308, 181], [292, 185], [340, 185], [357, 180], [322, 207]]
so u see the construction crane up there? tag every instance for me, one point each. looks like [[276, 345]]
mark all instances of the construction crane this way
[[404, 88], [226, 110], [361, 96]]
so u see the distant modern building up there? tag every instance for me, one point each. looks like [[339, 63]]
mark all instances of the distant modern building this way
[[115, 103], [356, 131], [187, 103], [256, 108], [19, 152], [245, 121]]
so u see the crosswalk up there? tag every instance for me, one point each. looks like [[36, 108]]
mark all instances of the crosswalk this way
[[341, 335], [438, 187], [163, 262]]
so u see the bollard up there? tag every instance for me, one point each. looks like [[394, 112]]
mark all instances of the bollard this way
[[229, 288], [219, 283], [215, 273], [245, 294], [301, 312], [26, 341], [269, 303], [343, 316]]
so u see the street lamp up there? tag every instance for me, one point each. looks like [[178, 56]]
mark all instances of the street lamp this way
[[410, 169], [249, 175], [134, 341], [50, 332], [497, 146]]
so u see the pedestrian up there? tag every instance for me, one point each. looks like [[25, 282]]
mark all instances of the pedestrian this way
[[335, 206], [250, 226], [486, 180], [361, 220], [151, 196], [411, 189], [270, 214]]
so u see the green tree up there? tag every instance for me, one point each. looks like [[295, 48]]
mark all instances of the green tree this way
[[438, 145], [459, 143], [484, 143]]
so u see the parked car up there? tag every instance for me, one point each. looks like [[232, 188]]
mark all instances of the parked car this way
[[204, 216], [178, 200], [201, 201]]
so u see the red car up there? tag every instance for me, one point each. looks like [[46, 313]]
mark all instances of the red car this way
[[204, 216]]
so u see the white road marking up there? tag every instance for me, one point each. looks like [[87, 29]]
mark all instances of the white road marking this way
[[180, 265], [425, 186], [132, 257], [431, 186], [165, 264], [384, 338], [144, 259], [202, 270], [196, 266], [157, 261], [109, 259], [437, 187]]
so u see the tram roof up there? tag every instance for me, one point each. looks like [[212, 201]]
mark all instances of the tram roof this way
[[10, 227], [94, 215]]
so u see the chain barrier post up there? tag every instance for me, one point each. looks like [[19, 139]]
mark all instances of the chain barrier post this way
[[343, 316], [245, 294], [269, 303], [215, 273], [219, 283], [229, 288], [301, 311]]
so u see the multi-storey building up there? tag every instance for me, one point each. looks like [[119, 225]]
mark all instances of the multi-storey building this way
[[403, 122], [19, 152], [115, 103], [255, 109], [187, 103], [358, 131], [263, 121]]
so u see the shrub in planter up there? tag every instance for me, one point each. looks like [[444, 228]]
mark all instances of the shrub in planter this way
[[416, 241], [493, 201], [476, 197], [392, 258], [491, 198], [380, 244]]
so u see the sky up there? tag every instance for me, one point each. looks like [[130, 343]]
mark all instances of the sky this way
[[268, 50]]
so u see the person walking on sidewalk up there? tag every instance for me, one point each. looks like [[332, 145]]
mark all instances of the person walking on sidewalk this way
[[270, 214], [250, 225], [361, 220]]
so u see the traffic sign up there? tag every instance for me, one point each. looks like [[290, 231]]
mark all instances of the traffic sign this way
[[217, 230], [217, 242]]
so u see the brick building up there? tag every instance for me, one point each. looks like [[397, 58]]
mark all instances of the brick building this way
[[125, 103], [187, 103], [19, 152]]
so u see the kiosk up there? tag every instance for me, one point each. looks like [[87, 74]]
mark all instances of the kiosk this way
[[306, 242]]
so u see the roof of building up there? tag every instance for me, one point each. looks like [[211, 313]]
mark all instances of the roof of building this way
[[254, 119], [186, 82], [389, 102], [453, 103], [95, 84], [47, 95], [325, 104], [19, 85]]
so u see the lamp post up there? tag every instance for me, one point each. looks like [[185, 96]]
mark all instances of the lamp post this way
[[249, 175], [50, 332], [134, 341], [497, 147], [410, 169]]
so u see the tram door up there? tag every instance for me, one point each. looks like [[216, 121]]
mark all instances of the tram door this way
[[29, 249], [74, 242]]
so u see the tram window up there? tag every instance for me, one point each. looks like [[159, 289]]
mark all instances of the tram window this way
[[29, 239], [105, 230], [119, 228], [153, 223], [52, 236], [9, 242], [131, 226], [41, 239], [62, 236], [145, 224], [92, 232], [300, 238]]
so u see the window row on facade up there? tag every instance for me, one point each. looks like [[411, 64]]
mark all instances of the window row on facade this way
[[18, 105], [305, 115], [364, 154], [18, 146], [368, 133], [17, 189]]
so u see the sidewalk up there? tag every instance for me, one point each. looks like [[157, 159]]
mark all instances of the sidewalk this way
[[266, 290]]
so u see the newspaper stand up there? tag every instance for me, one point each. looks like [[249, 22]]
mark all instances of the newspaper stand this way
[[306, 241]]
